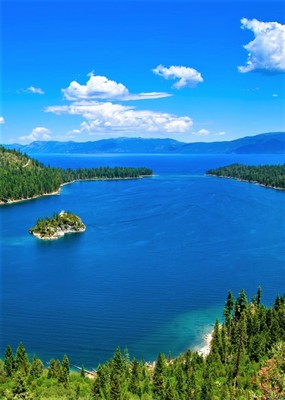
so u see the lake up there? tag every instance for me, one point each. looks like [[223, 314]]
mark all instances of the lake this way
[[153, 269]]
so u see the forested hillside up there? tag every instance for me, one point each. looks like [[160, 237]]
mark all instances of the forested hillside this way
[[246, 361], [267, 175], [22, 177]]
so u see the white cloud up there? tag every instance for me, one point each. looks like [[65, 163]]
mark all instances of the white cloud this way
[[100, 87], [39, 133], [2, 120], [275, 95], [220, 133], [202, 132], [187, 77], [108, 117], [33, 90], [267, 51]]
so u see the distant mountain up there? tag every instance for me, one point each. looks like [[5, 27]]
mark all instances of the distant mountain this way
[[270, 143]]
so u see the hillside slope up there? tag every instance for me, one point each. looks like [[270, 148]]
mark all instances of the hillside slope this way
[[268, 143]]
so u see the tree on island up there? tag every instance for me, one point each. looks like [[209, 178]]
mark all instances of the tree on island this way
[[57, 226]]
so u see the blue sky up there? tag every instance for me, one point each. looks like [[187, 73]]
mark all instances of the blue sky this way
[[189, 70]]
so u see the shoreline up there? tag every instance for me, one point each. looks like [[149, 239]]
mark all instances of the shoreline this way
[[69, 183], [247, 181], [206, 348], [58, 234]]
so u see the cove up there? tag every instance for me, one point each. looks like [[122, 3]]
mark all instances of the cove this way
[[154, 266]]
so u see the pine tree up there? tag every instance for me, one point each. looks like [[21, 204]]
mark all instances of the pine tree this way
[[118, 363], [170, 391], [242, 334], [20, 390], [216, 343], [135, 379], [37, 368], [9, 362], [54, 370], [229, 306], [22, 360], [65, 367], [115, 387], [102, 383], [159, 376], [258, 297], [241, 304]]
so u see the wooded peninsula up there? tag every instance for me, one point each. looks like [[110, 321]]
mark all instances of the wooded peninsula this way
[[272, 176], [22, 177], [246, 361]]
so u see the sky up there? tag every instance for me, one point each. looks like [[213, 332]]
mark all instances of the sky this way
[[189, 70]]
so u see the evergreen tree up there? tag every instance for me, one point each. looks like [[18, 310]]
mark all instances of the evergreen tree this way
[[241, 304], [54, 370], [216, 343], [159, 377], [135, 378], [37, 368], [118, 363], [20, 390], [22, 360], [65, 367], [115, 390], [242, 341], [170, 391], [96, 388], [258, 296], [101, 386], [9, 362], [229, 306]]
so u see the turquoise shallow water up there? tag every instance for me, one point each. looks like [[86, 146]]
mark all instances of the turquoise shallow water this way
[[152, 271]]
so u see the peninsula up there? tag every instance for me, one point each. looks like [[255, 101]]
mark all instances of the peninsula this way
[[57, 226], [271, 176], [24, 178]]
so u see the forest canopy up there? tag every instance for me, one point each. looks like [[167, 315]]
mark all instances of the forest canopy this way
[[267, 175]]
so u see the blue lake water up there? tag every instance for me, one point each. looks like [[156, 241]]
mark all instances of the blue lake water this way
[[154, 266]]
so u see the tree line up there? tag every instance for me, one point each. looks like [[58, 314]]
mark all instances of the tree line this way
[[267, 175], [246, 361], [22, 177]]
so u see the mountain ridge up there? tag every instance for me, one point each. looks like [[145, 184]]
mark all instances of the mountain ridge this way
[[268, 143]]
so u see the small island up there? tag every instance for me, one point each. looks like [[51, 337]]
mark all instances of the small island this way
[[57, 226]]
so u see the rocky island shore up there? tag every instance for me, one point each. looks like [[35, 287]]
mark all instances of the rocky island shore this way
[[57, 226]]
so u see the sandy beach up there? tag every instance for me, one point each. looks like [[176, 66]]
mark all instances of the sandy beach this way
[[205, 349]]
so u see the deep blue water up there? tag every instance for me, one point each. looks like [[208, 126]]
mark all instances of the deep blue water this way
[[154, 266]]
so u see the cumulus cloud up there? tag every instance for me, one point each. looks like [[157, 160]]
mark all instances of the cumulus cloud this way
[[187, 77], [220, 133], [100, 87], [2, 120], [267, 51], [110, 118], [39, 133]]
